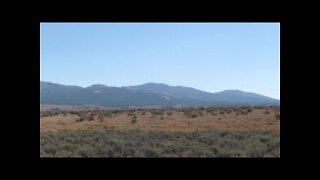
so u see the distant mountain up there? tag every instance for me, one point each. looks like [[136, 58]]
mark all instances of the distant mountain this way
[[98, 86], [178, 91], [221, 98], [149, 94]]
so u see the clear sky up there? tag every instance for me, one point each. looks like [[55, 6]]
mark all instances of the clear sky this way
[[207, 56]]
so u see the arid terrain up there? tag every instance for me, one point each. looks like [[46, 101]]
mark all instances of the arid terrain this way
[[251, 132], [182, 119]]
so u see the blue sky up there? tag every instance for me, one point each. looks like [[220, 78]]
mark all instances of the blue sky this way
[[207, 56]]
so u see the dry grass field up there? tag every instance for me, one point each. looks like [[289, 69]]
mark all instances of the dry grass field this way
[[184, 119]]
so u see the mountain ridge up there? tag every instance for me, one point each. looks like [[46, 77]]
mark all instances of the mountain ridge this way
[[147, 94]]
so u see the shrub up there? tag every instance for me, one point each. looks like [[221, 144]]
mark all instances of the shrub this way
[[52, 113], [193, 115], [266, 112], [100, 117], [221, 112], [169, 113], [143, 113], [72, 112], [130, 113], [244, 112], [133, 121], [128, 152], [80, 119], [258, 107], [263, 139], [223, 134], [116, 111], [90, 117], [150, 153], [50, 149], [42, 115], [255, 153], [249, 110], [138, 143], [244, 107], [187, 113], [210, 110], [107, 113], [157, 112]]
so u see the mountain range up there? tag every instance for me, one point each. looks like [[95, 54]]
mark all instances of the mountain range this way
[[146, 95]]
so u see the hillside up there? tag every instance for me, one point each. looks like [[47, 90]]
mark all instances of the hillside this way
[[145, 95]]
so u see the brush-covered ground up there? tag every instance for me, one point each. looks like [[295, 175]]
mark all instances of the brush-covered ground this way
[[179, 132]]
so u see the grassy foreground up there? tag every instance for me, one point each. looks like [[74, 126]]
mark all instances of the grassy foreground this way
[[137, 143]]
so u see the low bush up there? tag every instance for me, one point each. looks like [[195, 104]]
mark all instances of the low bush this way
[[131, 113], [243, 112], [157, 112], [150, 153], [169, 113], [210, 109], [90, 118], [136, 143], [266, 112], [80, 119], [100, 117], [193, 115], [258, 107], [134, 120]]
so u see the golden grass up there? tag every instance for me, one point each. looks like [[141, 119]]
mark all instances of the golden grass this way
[[255, 120]]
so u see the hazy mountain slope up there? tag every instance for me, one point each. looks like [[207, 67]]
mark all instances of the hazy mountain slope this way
[[150, 94], [106, 96], [178, 91], [223, 98]]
